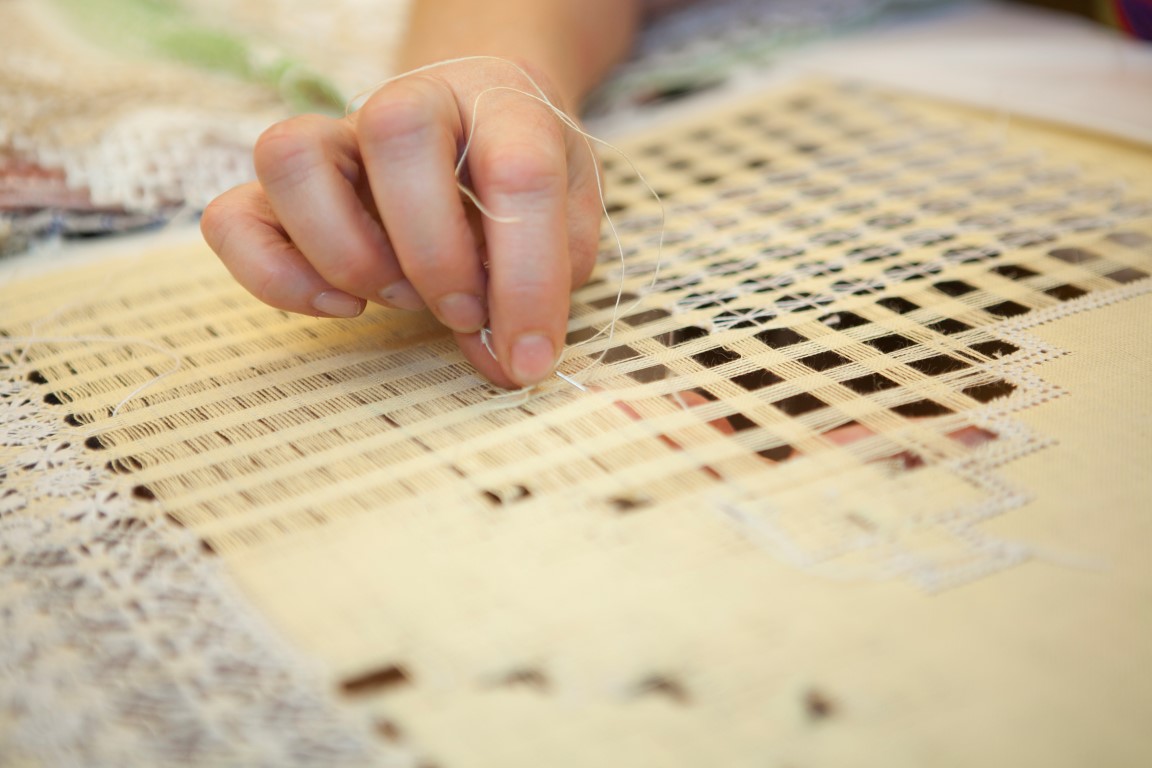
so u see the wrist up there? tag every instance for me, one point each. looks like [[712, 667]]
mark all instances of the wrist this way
[[566, 45]]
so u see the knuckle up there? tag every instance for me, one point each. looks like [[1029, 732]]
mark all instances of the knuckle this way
[[219, 220], [213, 224], [523, 170], [268, 283], [405, 111], [286, 151], [237, 209], [353, 274]]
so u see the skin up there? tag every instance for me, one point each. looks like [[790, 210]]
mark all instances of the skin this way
[[366, 208]]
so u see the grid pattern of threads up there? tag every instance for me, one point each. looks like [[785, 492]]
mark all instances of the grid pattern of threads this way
[[833, 258], [520, 563], [124, 643]]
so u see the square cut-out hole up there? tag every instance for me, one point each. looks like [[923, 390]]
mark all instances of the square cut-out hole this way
[[686, 334], [579, 335], [921, 409], [779, 338], [993, 390], [740, 423], [995, 348], [798, 405], [898, 305], [758, 379], [649, 316], [619, 354], [1066, 292], [652, 373], [1127, 275], [823, 361], [778, 453], [612, 301], [872, 382], [953, 287], [1014, 271], [948, 326], [890, 343], [938, 365], [715, 356], [842, 321], [1007, 309], [1073, 255]]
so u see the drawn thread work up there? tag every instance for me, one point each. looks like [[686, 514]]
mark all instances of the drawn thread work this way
[[826, 375], [845, 285]]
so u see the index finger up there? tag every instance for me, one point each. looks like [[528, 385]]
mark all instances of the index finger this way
[[518, 161]]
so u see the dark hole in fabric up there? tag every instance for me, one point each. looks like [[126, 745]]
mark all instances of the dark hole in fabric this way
[[798, 405], [872, 382], [890, 343], [991, 391]]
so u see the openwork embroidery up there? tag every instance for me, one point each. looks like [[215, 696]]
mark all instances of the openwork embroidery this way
[[123, 643], [825, 376]]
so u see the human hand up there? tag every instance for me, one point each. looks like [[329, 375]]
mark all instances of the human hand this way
[[367, 208]]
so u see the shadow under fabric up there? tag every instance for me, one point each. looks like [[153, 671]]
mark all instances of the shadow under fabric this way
[[559, 580]]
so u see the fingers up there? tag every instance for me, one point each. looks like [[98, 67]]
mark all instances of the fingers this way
[[242, 229], [487, 365], [519, 164], [583, 218], [409, 134], [368, 209], [312, 175]]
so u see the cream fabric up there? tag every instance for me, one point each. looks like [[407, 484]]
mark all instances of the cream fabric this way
[[569, 577]]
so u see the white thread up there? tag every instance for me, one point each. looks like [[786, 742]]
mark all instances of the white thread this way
[[588, 138], [177, 361], [572, 381], [181, 214], [486, 340]]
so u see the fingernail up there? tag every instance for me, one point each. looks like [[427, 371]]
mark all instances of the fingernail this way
[[533, 358], [337, 304], [461, 312], [402, 295]]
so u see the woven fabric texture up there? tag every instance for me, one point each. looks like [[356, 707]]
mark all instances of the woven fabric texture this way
[[818, 492]]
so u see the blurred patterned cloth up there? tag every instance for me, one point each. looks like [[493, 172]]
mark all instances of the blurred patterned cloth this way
[[114, 114], [117, 114]]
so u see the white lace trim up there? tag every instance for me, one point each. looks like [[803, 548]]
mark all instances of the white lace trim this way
[[123, 642]]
